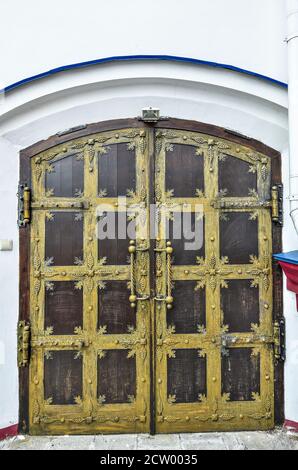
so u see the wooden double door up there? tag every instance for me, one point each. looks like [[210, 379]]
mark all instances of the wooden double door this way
[[150, 285]]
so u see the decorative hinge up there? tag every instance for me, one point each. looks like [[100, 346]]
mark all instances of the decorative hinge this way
[[277, 200], [279, 340], [24, 334], [24, 205]]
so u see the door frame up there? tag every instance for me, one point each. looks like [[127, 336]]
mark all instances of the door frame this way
[[171, 123]]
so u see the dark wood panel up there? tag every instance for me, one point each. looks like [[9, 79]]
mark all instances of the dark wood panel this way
[[67, 177], [114, 310], [240, 305], [64, 238], [117, 170], [116, 377], [186, 232], [184, 170], [63, 377], [187, 376], [63, 307], [235, 177], [241, 374], [238, 233], [189, 308], [117, 231]]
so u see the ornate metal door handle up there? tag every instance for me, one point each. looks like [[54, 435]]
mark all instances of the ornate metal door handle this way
[[132, 251], [169, 298]]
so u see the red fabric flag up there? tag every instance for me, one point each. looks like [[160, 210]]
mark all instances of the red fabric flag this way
[[291, 271]]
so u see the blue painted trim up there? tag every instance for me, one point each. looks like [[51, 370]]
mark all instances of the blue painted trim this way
[[170, 58], [290, 257]]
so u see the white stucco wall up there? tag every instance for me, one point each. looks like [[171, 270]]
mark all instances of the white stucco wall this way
[[223, 98], [37, 36], [9, 280]]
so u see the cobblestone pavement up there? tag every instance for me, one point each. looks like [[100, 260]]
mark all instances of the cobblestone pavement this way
[[275, 440]]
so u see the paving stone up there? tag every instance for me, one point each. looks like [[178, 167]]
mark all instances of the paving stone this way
[[72, 443], [29, 443], [203, 441], [116, 442], [233, 441], [161, 441], [275, 440]]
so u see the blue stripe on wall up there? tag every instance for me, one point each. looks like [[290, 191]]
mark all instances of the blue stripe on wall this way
[[170, 58]]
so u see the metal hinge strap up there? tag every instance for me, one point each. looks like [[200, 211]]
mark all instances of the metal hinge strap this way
[[276, 205], [24, 205], [24, 334], [279, 340]]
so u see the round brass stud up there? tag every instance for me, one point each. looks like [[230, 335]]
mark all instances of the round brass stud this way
[[212, 239], [169, 248], [159, 381], [132, 248]]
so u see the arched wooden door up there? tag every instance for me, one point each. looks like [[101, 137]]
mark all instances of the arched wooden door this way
[[166, 324]]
